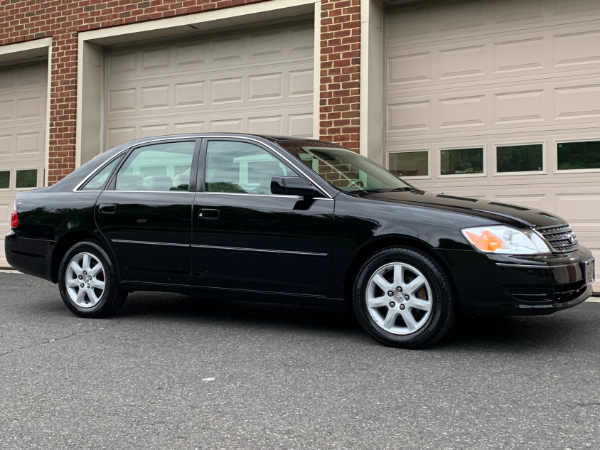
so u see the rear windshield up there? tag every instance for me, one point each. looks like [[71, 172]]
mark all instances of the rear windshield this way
[[345, 169]]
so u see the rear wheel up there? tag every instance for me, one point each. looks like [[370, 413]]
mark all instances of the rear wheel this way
[[404, 298], [88, 283]]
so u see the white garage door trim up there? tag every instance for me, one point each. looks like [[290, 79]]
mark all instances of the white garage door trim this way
[[90, 65]]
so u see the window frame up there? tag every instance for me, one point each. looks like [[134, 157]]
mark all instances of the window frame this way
[[200, 179], [528, 172], [556, 170], [37, 180], [112, 181], [413, 150], [441, 176]]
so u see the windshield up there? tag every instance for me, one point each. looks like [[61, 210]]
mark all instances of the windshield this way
[[345, 169]]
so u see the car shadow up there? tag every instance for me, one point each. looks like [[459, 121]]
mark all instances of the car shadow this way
[[506, 334], [228, 312], [561, 332]]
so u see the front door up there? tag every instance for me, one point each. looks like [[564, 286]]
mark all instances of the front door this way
[[245, 238], [146, 211]]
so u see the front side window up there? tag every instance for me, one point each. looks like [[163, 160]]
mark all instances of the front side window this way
[[241, 168], [158, 167], [343, 168], [578, 155], [99, 180]]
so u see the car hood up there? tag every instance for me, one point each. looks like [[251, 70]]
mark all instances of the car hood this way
[[500, 212]]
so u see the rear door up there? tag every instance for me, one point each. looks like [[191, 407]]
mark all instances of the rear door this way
[[245, 238], [146, 211]]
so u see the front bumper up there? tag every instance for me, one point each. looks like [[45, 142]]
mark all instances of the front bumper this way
[[519, 285]]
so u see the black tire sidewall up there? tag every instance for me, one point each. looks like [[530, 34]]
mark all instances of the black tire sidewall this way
[[438, 322], [111, 291]]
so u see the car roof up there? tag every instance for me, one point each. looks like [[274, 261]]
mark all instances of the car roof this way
[[270, 137]]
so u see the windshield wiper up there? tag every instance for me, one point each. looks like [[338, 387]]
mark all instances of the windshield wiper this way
[[365, 191], [406, 188]]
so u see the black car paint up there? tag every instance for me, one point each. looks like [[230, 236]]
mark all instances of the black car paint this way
[[285, 249]]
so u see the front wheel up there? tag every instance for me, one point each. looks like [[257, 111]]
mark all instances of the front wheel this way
[[404, 298], [88, 282]]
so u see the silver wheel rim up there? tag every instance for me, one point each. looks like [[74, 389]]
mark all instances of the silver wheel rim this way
[[399, 298], [85, 279]]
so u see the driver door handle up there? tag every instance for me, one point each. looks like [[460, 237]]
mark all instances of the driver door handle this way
[[208, 214], [107, 208]]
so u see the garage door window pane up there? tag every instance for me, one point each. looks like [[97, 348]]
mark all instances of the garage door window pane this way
[[520, 158], [241, 168], [410, 164], [579, 155], [462, 161], [4, 179], [157, 168], [26, 179]]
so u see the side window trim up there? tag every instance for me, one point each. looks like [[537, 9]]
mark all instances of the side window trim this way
[[111, 184]]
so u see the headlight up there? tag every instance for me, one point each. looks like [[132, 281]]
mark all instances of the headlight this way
[[505, 240]]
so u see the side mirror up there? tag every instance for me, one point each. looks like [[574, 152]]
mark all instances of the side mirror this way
[[293, 186]]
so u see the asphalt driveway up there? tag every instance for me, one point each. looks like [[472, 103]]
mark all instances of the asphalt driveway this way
[[173, 372]]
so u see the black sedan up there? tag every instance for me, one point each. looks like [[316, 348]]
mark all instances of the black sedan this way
[[291, 220]]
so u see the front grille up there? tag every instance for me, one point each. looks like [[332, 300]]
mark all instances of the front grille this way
[[561, 238]]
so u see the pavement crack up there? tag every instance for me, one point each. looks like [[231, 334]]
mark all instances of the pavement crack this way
[[58, 339]]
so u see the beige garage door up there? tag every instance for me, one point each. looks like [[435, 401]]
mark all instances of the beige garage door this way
[[23, 91], [253, 80], [499, 100]]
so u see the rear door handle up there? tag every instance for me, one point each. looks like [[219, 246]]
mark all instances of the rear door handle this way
[[107, 208], [209, 214]]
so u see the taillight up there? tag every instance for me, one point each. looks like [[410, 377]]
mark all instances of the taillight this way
[[14, 219]]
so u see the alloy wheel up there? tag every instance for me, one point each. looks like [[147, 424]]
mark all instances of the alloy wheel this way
[[85, 280], [399, 298]]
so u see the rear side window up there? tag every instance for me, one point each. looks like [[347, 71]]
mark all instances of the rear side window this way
[[158, 167], [98, 181]]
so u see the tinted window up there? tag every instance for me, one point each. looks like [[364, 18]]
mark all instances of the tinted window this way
[[579, 155], [26, 179], [520, 158], [99, 180], [461, 161], [410, 164], [159, 167], [239, 167]]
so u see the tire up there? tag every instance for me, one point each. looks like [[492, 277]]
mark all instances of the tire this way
[[87, 264], [421, 289]]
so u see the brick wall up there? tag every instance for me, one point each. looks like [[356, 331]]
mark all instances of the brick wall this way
[[340, 72], [24, 20]]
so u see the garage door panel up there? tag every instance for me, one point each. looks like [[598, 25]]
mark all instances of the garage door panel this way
[[543, 105], [23, 93], [258, 81], [290, 120], [503, 56]]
